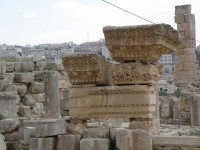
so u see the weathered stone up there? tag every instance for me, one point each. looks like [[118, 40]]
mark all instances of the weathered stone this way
[[39, 66], [40, 98], [40, 75], [144, 42], [28, 100], [64, 112], [96, 133], [51, 129], [86, 69], [64, 104], [24, 111], [8, 95], [13, 136], [36, 88], [135, 73], [59, 66], [9, 66], [2, 143], [2, 67], [64, 94], [68, 142], [29, 132], [38, 109], [8, 125], [52, 102], [133, 140], [27, 66], [24, 77], [62, 75], [63, 84], [37, 58], [106, 102], [94, 144], [6, 79], [76, 128], [42, 143], [183, 9], [18, 66], [21, 89]]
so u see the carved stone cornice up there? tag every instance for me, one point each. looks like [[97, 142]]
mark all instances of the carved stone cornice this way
[[83, 69], [144, 42], [135, 73]]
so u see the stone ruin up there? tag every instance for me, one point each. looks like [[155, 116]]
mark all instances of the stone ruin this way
[[35, 104]]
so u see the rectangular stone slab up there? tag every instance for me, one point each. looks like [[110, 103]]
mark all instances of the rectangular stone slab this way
[[112, 102]]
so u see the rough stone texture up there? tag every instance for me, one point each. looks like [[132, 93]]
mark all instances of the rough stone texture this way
[[29, 132], [40, 98], [75, 128], [52, 102], [94, 144], [51, 129], [18, 66], [9, 66], [24, 77], [68, 142], [96, 133], [125, 44], [133, 140], [2, 143], [38, 109], [13, 136], [93, 102], [2, 67], [8, 125], [39, 66], [183, 9], [40, 75], [28, 100], [195, 110], [24, 111], [27, 66], [21, 89], [37, 58], [36, 88], [42, 143], [64, 104]]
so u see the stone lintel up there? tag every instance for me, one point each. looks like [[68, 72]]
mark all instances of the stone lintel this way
[[113, 102]]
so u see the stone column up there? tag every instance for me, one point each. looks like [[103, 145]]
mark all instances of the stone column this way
[[52, 100], [186, 70]]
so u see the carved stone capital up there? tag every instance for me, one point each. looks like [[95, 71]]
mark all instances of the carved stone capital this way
[[83, 69], [144, 42]]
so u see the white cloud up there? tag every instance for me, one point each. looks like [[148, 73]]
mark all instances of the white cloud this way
[[29, 15]]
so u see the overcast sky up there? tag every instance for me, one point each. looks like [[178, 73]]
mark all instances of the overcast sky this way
[[55, 21]]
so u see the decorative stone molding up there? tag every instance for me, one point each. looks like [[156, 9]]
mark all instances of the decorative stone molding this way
[[144, 42], [86, 69]]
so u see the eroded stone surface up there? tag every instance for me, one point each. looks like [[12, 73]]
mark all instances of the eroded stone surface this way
[[94, 144], [2, 143], [8, 125], [68, 142]]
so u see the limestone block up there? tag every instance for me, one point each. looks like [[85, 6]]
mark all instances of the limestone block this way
[[76, 128], [9, 87], [64, 94], [39, 66], [2, 67], [8, 125], [165, 113], [130, 43], [94, 144], [42, 143], [195, 110], [133, 140], [51, 129], [38, 109], [180, 51], [96, 133], [146, 125], [18, 66], [21, 89], [27, 66], [186, 58], [189, 51], [8, 104], [64, 104], [24, 77], [63, 84], [59, 67], [86, 69], [179, 19], [40, 98], [68, 142], [64, 112], [24, 111], [62, 75], [106, 102], [179, 66], [2, 143], [9, 67], [40, 75], [182, 9], [37, 58], [28, 100], [187, 141], [36, 88], [135, 73], [13, 136], [29, 132]]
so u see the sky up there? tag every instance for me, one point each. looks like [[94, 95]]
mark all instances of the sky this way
[[57, 21]]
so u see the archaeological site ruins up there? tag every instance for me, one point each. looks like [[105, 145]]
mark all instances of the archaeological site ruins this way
[[87, 102]]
